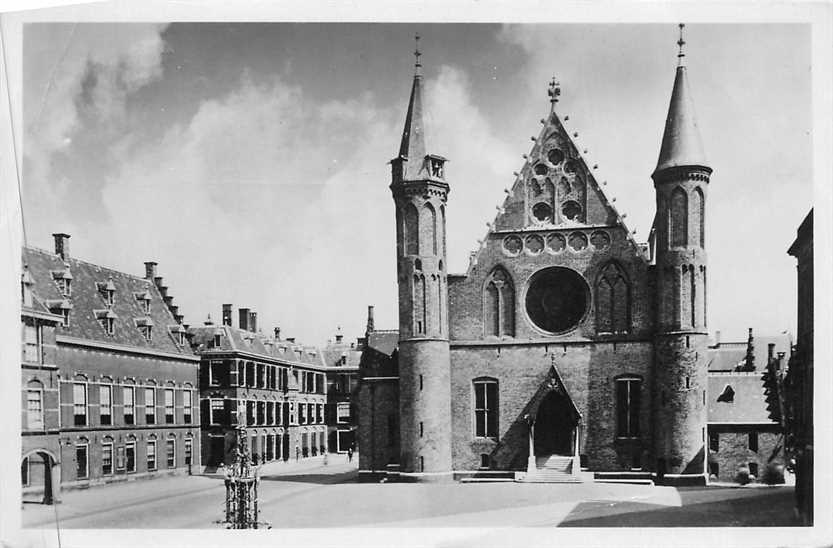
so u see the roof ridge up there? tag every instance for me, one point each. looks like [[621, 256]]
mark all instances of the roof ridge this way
[[85, 262]]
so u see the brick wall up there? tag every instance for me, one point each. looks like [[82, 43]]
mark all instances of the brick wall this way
[[734, 452], [378, 412]]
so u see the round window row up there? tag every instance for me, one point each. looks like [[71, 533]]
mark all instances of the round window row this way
[[555, 157], [555, 243]]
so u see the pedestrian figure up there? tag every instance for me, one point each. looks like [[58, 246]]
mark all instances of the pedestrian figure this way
[[350, 454], [297, 453], [325, 458]]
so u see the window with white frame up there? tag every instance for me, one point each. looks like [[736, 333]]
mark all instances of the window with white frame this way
[[105, 404], [169, 406], [217, 409], [302, 413], [129, 404], [215, 373], [34, 409], [151, 454], [170, 452], [31, 342], [150, 405], [189, 450], [343, 412], [107, 458], [187, 402], [65, 316], [628, 395], [82, 462], [486, 408], [147, 332], [130, 456], [79, 403]]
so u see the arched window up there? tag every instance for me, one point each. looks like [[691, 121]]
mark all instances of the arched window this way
[[693, 295], [420, 297], [499, 304], [612, 300], [678, 218], [485, 408], [431, 220], [411, 230], [698, 211]]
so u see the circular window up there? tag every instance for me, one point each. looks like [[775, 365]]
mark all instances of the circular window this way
[[556, 242], [570, 166], [512, 244], [577, 241], [571, 210], [542, 212], [535, 244], [600, 239], [540, 169], [557, 299], [555, 156]]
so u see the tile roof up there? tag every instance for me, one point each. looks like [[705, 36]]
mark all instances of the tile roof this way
[[748, 403], [240, 340], [335, 351], [727, 355], [383, 341], [86, 299]]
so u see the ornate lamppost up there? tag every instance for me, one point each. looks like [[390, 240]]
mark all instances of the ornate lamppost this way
[[242, 480]]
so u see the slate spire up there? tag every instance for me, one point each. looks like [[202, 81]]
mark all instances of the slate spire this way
[[412, 148], [681, 143]]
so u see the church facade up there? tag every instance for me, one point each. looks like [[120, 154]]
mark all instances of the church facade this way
[[565, 340]]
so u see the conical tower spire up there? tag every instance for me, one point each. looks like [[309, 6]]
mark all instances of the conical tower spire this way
[[681, 144], [412, 148]]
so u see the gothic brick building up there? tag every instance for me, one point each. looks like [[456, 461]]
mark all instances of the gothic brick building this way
[[566, 342]]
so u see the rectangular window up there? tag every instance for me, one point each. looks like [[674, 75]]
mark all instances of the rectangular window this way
[[31, 346], [753, 441], [485, 409], [151, 454], [106, 459], [627, 407], [129, 404], [34, 409], [189, 448], [302, 413], [714, 442], [187, 402], [65, 315], [217, 408], [120, 457], [147, 332], [130, 449], [343, 412], [150, 406], [105, 404], [79, 404], [82, 470], [753, 469], [215, 372], [24, 472], [170, 452], [169, 406]]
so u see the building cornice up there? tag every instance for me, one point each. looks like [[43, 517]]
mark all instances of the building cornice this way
[[99, 345]]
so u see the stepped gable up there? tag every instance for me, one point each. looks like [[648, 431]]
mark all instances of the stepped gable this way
[[87, 301], [555, 189]]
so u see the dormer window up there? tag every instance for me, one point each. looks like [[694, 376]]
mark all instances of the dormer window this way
[[436, 165], [108, 292], [65, 316], [26, 288], [143, 299], [178, 333], [218, 339], [63, 278], [107, 319], [60, 306], [145, 326]]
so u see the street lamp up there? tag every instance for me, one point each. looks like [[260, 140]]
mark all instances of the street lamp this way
[[241, 480]]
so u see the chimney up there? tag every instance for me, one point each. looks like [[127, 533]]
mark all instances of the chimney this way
[[717, 338], [167, 298], [253, 321], [158, 281], [770, 351], [61, 245], [208, 320], [370, 324], [243, 314], [174, 309], [227, 315], [150, 270], [290, 339], [339, 336], [277, 333]]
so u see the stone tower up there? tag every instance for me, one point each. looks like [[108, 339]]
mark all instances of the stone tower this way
[[681, 181], [420, 192]]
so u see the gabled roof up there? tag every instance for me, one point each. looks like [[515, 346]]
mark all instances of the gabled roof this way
[[234, 339], [383, 341], [728, 355], [86, 298], [748, 403], [334, 353]]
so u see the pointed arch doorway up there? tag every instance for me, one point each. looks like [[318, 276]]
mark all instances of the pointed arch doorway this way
[[555, 425]]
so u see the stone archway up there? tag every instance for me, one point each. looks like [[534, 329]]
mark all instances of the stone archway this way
[[40, 474], [555, 425]]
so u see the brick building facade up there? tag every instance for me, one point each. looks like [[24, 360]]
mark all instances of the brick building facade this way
[[275, 388], [565, 336], [113, 375], [342, 359]]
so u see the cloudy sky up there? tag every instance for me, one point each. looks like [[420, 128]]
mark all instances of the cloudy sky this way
[[249, 160]]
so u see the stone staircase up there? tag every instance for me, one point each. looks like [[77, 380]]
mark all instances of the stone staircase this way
[[555, 469]]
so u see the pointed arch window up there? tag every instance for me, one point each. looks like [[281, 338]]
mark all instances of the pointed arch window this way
[[419, 307], [678, 218], [613, 296], [411, 230], [431, 216], [499, 304], [698, 210]]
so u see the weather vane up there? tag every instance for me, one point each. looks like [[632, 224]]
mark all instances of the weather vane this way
[[681, 43], [554, 91], [417, 53]]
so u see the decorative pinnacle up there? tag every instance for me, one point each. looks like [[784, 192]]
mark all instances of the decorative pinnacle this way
[[681, 43], [417, 54], [555, 90]]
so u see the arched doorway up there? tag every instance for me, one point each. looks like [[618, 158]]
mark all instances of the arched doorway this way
[[38, 471], [555, 425]]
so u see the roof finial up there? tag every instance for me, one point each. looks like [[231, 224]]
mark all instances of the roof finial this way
[[681, 43], [554, 91], [417, 54]]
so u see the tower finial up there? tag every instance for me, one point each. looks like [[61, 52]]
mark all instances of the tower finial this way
[[681, 43], [417, 54], [555, 90]]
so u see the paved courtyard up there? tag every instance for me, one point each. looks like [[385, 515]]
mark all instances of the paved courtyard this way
[[308, 495]]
